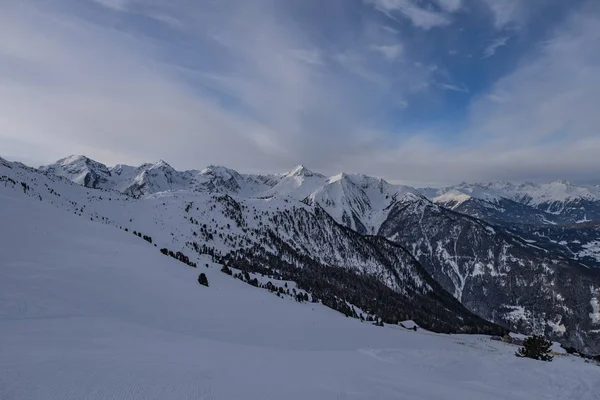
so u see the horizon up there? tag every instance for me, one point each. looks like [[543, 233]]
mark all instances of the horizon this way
[[415, 185]]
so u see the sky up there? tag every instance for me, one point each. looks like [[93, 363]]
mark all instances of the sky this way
[[415, 91]]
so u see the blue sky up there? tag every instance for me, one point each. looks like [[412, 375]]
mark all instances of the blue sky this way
[[418, 91]]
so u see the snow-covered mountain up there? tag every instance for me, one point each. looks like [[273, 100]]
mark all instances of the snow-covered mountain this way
[[556, 216], [497, 210], [497, 274], [81, 170], [559, 201], [299, 183], [275, 236], [90, 311], [358, 201], [304, 221]]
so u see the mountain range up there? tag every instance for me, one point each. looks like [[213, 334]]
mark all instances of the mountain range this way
[[466, 258]]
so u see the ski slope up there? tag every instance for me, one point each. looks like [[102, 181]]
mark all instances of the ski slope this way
[[88, 311]]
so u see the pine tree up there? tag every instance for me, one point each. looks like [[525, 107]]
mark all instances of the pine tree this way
[[203, 280], [226, 270], [536, 347]]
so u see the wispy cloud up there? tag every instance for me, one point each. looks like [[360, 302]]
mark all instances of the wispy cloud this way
[[420, 17], [450, 5], [117, 5], [308, 56], [454, 88], [491, 48], [389, 52], [506, 12], [196, 100], [259, 87], [552, 91]]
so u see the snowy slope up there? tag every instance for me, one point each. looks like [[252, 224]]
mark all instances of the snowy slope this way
[[89, 311], [266, 221], [280, 235]]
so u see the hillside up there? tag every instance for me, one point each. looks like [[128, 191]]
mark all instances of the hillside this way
[[278, 237], [90, 311], [268, 224]]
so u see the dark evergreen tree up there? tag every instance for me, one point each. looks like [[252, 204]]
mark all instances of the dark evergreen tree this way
[[203, 280], [536, 347], [226, 270]]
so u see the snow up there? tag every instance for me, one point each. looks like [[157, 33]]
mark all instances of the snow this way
[[453, 197], [89, 311], [517, 313], [590, 249], [357, 199], [528, 193], [557, 327], [595, 303], [297, 184], [77, 168], [343, 196]]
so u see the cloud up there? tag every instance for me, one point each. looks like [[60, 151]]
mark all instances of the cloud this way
[[420, 17], [538, 122], [491, 48], [308, 56], [117, 5], [450, 5], [552, 90], [203, 97], [251, 87], [455, 88], [102, 92], [389, 52], [543, 113], [506, 12], [424, 161]]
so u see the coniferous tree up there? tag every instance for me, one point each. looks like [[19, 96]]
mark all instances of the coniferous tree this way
[[203, 280], [226, 270], [536, 347]]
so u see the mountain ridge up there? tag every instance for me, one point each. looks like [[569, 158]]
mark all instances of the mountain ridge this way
[[479, 249]]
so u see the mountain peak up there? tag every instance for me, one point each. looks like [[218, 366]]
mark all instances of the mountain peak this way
[[562, 182], [338, 177], [301, 170], [72, 159], [162, 164], [81, 170]]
